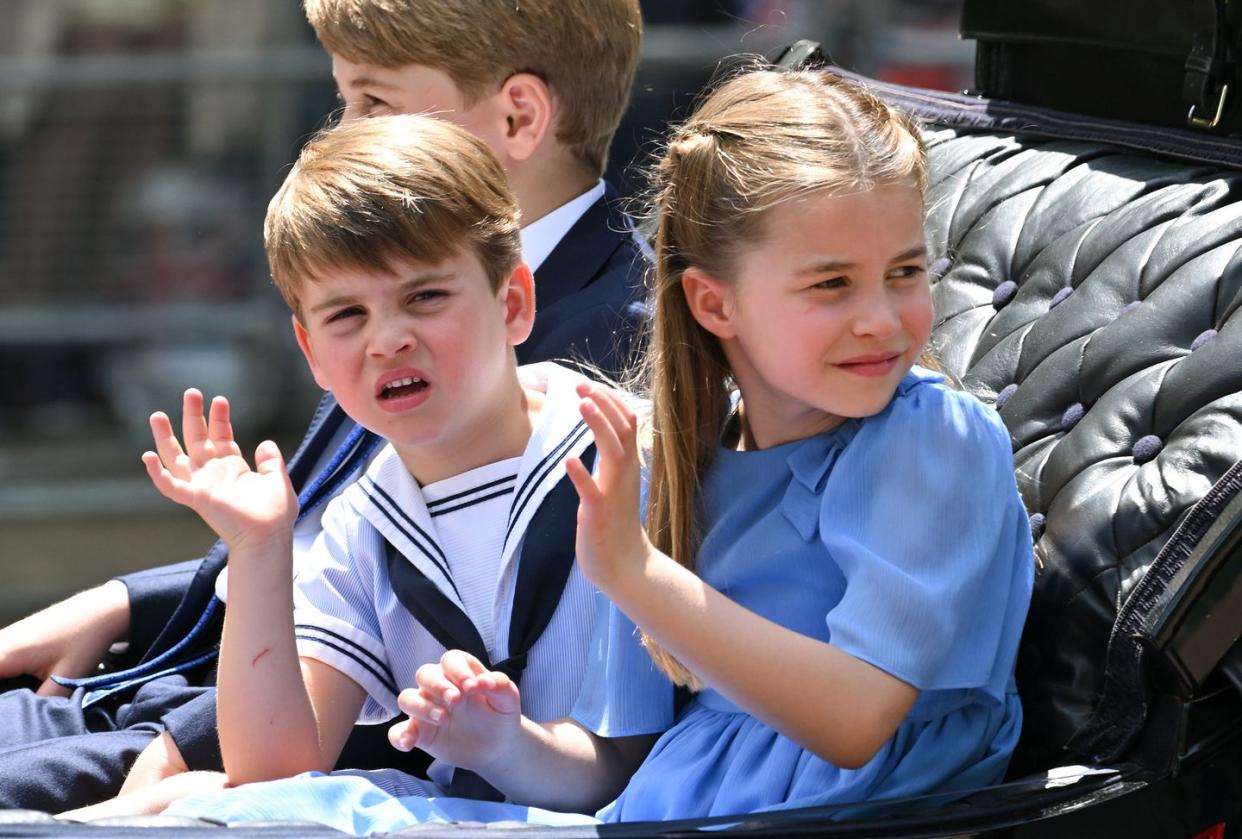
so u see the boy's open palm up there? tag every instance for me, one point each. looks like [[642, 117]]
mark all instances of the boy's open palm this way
[[611, 540], [210, 476], [461, 712]]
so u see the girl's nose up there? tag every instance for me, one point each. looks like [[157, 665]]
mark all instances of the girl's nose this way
[[877, 318]]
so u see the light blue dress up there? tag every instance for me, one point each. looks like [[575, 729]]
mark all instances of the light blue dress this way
[[899, 538]]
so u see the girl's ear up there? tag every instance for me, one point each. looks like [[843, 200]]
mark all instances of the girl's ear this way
[[528, 109], [518, 294], [710, 301], [303, 339]]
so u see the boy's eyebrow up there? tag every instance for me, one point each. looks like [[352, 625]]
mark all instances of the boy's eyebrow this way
[[367, 81], [406, 285], [915, 252]]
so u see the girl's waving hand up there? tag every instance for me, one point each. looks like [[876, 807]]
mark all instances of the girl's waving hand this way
[[210, 476], [611, 541]]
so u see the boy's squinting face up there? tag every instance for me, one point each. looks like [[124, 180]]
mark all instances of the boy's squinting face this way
[[829, 311], [421, 355], [368, 90]]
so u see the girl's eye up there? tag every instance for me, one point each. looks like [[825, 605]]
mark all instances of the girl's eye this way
[[908, 272]]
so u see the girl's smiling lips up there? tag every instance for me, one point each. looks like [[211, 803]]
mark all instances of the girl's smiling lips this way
[[400, 390], [871, 365]]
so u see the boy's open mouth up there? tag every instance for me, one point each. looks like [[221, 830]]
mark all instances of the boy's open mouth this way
[[398, 388]]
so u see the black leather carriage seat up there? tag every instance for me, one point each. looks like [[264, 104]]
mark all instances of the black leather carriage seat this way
[[1091, 291], [1092, 295]]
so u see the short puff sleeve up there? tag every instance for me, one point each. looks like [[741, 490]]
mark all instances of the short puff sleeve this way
[[334, 608], [623, 692], [921, 513]]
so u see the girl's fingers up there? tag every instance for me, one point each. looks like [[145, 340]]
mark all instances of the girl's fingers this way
[[194, 426], [616, 411], [166, 444], [607, 441], [588, 491]]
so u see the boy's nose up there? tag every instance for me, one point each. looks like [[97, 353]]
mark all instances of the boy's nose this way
[[390, 341]]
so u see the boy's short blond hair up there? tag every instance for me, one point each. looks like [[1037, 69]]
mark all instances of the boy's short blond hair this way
[[365, 195], [585, 50]]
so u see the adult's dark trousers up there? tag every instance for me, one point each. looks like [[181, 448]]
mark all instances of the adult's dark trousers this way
[[55, 756]]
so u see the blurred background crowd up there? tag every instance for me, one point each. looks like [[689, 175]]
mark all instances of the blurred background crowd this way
[[139, 143]]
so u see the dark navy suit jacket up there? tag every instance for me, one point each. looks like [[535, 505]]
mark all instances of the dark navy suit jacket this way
[[590, 306]]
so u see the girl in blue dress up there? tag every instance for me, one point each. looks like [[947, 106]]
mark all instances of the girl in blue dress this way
[[835, 558]]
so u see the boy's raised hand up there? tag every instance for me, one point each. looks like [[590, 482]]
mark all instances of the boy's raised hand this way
[[461, 712], [611, 541], [210, 476]]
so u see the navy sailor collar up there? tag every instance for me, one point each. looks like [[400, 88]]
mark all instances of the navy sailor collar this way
[[388, 497]]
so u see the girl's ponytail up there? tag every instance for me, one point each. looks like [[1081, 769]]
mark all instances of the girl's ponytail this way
[[687, 376]]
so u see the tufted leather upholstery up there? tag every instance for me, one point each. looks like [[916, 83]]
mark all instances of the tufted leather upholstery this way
[[1094, 295]]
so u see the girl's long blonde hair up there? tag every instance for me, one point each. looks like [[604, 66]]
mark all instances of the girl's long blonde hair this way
[[764, 137]]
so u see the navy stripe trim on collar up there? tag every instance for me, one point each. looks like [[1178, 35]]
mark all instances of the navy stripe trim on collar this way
[[440, 563], [471, 491], [473, 501], [541, 471]]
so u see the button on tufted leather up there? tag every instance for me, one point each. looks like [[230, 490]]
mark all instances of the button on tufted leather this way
[[1059, 297], [1083, 227], [940, 267], [1003, 294], [1146, 448], [1202, 338], [1072, 415], [1038, 522]]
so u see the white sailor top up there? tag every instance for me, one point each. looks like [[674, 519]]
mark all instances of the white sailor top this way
[[348, 616]]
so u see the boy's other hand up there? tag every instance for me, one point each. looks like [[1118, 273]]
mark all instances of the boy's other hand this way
[[150, 800], [211, 477], [461, 712], [66, 639], [159, 760]]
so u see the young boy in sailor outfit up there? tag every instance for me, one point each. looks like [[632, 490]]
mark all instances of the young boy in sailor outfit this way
[[395, 242], [544, 83]]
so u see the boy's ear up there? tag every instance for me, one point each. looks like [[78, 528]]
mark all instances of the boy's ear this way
[[303, 338], [528, 109], [518, 294], [710, 301]]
